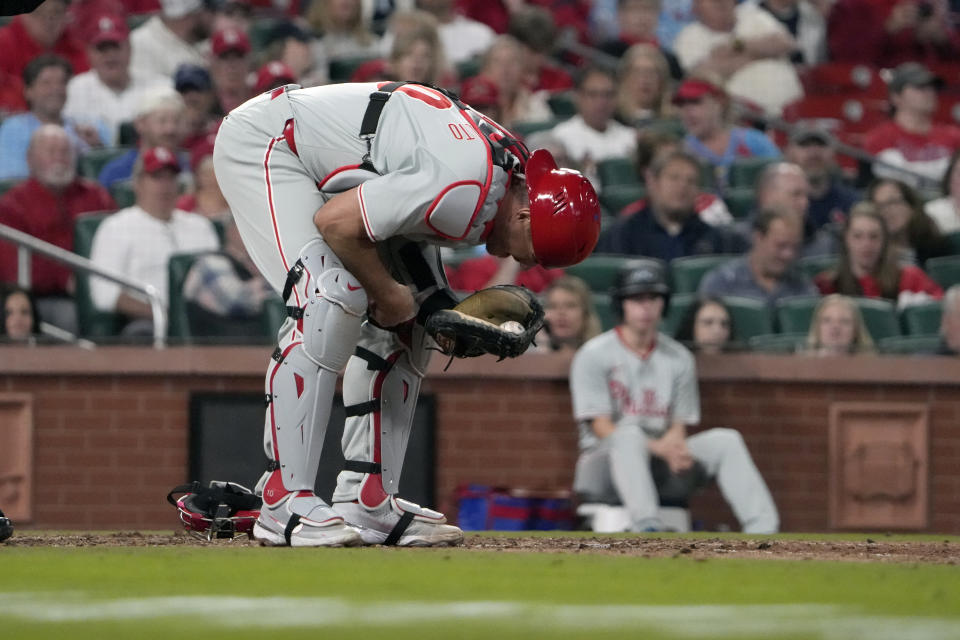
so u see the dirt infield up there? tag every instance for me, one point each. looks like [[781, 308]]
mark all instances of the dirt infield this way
[[648, 546]]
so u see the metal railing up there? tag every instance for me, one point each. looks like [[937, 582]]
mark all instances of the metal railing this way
[[27, 245]]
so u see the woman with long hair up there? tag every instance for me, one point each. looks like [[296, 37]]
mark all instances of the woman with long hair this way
[[21, 322], [868, 266], [570, 318], [707, 327], [838, 329], [644, 93], [913, 234]]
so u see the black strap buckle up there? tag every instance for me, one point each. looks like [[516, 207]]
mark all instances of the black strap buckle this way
[[293, 277]]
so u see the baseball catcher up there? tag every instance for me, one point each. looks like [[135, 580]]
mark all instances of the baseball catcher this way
[[342, 195]]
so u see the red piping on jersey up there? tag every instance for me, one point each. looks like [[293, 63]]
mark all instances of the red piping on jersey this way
[[273, 419], [346, 167], [436, 201], [645, 354], [363, 214], [273, 212]]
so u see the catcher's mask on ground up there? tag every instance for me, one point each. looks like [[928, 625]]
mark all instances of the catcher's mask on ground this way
[[564, 212], [638, 276], [222, 510]]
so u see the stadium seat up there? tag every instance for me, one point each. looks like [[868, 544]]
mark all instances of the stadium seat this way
[[838, 112], [811, 266], [342, 69], [465, 69], [688, 271], [679, 307], [617, 171], [93, 161], [848, 78], [745, 171], [91, 322], [946, 270], [603, 305], [260, 32], [794, 313], [178, 323], [6, 185], [599, 271], [274, 315], [880, 317], [921, 319], [740, 201], [953, 242], [777, 342], [920, 345], [615, 197], [524, 129], [750, 317], [562, 104], [123, 194]]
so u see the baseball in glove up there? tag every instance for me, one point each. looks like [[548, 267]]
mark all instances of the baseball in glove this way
[[501, 320]]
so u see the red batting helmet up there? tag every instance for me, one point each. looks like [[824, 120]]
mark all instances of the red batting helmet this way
[[564, 212]]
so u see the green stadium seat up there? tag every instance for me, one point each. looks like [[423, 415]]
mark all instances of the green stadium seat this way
[[794, 313], [919, 345], [688, 271], [945, 270], [524, 129], [750, 317], [953, 242], [921, 319], [811, 266], [274, 315], [777, 342], [562, 104], [603, 305], [469, 68], [680, 305], [91, 322], [617, 171], [260, 32], [127, 136], [745, 171], [599, 271], [6, 185], [178, 323], [880, 316], [123, 194], [93, 161], [740, 201], [615, 197], [341, 69]]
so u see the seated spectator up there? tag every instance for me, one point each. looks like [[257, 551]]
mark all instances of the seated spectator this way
[[838, 329], [644, 91], [108, 93], [43, 31], [570, 318], [593, 135], [21, 322], [707, 327], [669, 227], [674, 16], [783, 186], [705, 112], [536, 31], [637, 25], [462, 37], [173, 37], [829, 197], [45, 90], [293, 45], [887, 33], [746, 47], [206, 197], [158, 124], [945, 211], [230, 62], [911, 146], [45, 206], [225, 293], [634, 396], [768, 272], [343, 31], [501, 85], [139, 240], [950, 322], [200, 117], [914, 236], [417, 56], [274, 74], [869, 267], [805, 22], [481, 272]]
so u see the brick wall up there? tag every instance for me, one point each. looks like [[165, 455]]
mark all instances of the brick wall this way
[[108, 446]]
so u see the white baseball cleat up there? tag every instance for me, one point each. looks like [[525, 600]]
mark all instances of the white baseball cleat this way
[[301, 519], [399, 522]]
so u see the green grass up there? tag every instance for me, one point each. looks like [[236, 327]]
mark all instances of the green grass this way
[[81, 592]]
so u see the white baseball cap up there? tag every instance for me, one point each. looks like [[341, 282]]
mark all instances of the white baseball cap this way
[[179, 8]]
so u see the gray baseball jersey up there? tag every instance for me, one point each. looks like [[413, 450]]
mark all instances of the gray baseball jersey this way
[[651, 390]]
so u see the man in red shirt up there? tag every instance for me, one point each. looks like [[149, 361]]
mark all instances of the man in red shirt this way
[[45, 205], [911, 140], [41, 31]]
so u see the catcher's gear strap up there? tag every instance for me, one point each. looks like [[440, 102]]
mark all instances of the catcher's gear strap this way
[[362, 408], [399, 528], [293, 277], [291, 525], [361, 467], [374, 362]]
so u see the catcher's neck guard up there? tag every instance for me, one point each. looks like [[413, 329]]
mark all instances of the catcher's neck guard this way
[[222, 510]]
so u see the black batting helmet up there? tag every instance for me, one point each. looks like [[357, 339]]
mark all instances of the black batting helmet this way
[[641, 275]]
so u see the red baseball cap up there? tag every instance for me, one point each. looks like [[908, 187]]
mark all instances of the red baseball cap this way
[[230, 39], [480, 92], [159, 158], [274, 74], [693, 89], [109, 28]]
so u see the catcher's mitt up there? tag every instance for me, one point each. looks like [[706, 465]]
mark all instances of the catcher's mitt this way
[[478, 325]]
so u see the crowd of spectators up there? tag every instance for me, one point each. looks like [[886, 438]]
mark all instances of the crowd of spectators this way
[[111, 107]]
